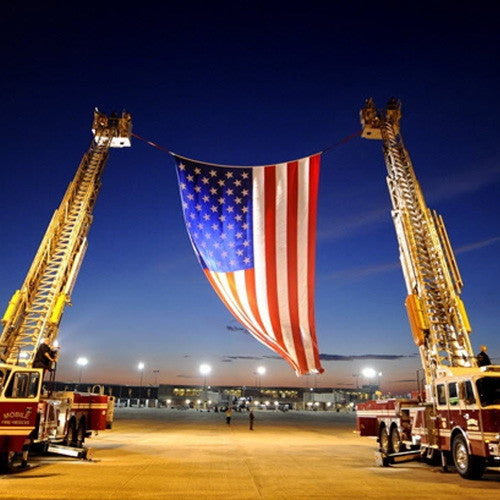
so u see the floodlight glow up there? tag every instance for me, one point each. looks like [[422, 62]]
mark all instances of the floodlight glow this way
[[261, 370], [205, 369], [368, 372], [141, 366], [82, 361]]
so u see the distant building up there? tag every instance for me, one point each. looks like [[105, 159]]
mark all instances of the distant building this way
[[283, 398], [240, 397]]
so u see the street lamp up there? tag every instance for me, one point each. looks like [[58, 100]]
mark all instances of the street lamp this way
[[261, 370], [205, 371], [368, 372], [82, 362], [140, 367], [155, 373]]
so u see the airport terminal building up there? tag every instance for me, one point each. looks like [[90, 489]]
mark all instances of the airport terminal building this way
[[211, 397]]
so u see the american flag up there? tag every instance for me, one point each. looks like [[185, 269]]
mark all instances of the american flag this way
[[253, 230]]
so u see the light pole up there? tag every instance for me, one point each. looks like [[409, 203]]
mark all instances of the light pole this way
[[155, 373], [205, 371], [140, 367], [82, 362]]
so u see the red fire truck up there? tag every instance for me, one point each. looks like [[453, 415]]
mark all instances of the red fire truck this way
[[456, 417], [29, 410]]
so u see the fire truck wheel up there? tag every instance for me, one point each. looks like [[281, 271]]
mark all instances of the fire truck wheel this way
[[7, 461], [396, 444], [384, 441], [467, 465], [70, 438], [80, 433]]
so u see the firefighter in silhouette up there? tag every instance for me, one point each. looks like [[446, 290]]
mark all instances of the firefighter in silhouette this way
[[45, 357], [482, 358]]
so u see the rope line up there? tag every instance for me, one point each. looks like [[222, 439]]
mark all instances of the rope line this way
[[161, 148]]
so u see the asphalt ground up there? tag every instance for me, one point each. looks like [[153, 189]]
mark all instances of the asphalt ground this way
[[176, 454]]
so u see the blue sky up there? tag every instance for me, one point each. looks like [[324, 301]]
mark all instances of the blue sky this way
[[248, 83]]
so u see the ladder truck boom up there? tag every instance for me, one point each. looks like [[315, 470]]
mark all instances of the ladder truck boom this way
[[35, 311], [458, 416], [437, 315]]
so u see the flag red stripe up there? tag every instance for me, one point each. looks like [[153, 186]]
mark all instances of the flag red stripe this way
[[270, 242], [252, 297], [292, 260], [252, 301], [314, 168], [239, 311]]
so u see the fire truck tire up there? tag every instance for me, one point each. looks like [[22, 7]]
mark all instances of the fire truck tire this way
[[384, 441], [80, 433], [70, 438], [6, 461], [396, 445], [467, 465]]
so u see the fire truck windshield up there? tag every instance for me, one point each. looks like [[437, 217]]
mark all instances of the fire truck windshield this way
[[489, 390]]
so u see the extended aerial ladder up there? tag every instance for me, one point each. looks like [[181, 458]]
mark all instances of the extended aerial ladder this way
[[436, 312], [35, 310], [456, 418], [57, 421]]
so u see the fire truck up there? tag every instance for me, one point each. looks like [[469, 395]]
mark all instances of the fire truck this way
[[454, 417], [30, 410]]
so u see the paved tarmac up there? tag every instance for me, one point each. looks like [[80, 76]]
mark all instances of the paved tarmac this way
[[160, 453]]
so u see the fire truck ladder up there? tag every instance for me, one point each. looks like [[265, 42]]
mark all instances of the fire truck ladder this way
[[437, 315], [36, 309]]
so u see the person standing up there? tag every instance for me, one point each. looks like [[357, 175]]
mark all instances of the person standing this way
[[482, 358], [251, 418], [45, 356], [229, 414]]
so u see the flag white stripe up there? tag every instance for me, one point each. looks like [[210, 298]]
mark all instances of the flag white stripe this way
[[259, 250], [225, 290], [281, 206], [302, 261], [244, 315]]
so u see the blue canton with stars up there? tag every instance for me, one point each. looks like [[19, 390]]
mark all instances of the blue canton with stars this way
[[217, 205]]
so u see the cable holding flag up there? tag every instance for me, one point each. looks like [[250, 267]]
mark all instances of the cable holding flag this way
[[161, 148]]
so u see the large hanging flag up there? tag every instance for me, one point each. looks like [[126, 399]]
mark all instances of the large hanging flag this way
[[254, 232]]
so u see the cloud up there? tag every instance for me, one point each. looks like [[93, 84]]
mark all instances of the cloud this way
[[352, 357], [184, 376], [233, 328], [358, 273], [326, 357], [470, 247], [228, 359], [346, 226], [466, 181]]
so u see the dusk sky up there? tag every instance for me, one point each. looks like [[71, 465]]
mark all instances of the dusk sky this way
[[248, 83]]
